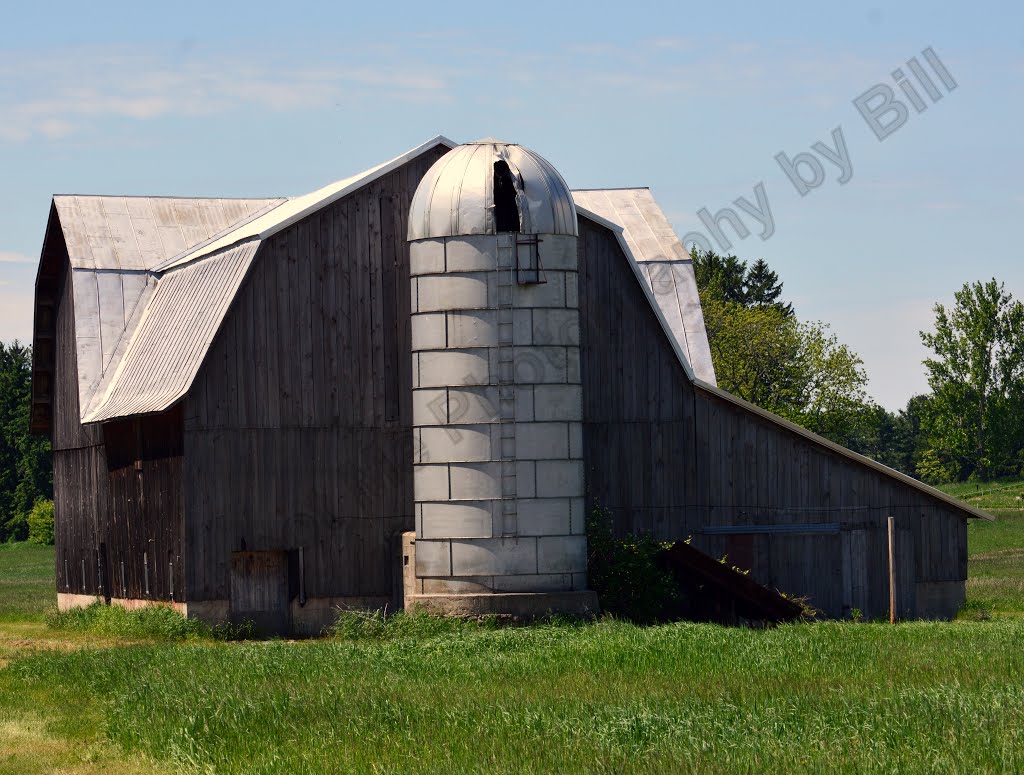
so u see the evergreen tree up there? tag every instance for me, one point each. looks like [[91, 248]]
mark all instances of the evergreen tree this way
[[26, 472], [763, 288], [726, 278]]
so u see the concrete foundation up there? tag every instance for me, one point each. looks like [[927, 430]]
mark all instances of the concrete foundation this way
[[520, 597], [309, 620], [67, 601], [520, 606]]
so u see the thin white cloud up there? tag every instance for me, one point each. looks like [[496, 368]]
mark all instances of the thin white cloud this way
[[6, 257], [85, 86], [67, 90]]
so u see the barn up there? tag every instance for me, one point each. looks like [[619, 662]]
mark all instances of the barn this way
[[252, 401]]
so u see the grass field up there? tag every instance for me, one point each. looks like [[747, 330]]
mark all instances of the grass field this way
[[421, 695]]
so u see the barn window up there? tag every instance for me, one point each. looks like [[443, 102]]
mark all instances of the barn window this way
[[506, 209]]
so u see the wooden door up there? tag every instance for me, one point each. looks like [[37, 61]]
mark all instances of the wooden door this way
[[259, 591]]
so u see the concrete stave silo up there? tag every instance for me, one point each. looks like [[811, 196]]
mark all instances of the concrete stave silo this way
[[497, 423]]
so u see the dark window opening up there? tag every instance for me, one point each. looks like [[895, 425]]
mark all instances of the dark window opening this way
[[506, 209]]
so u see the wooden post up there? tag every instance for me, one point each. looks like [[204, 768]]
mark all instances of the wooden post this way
[[892, 570]]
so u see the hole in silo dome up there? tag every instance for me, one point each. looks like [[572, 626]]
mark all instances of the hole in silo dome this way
[[506, 211]]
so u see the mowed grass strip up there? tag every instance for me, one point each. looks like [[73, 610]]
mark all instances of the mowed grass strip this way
[[608, 697]]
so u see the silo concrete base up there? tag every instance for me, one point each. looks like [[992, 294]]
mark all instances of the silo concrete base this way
[[522, 606], [515, 605]]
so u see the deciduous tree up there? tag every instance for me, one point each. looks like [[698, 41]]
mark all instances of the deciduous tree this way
[[976, 374]]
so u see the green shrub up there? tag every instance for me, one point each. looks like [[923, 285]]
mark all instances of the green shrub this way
[[627, 575], [40, 523]]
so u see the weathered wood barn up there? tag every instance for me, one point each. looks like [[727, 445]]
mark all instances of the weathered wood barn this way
[[250, 401]]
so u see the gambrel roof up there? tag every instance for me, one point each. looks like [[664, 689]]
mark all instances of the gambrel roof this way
[[153, 279]]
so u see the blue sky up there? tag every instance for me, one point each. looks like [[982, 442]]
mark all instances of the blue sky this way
[[696, 102]]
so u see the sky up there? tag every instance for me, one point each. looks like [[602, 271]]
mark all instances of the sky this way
[[696, 101]]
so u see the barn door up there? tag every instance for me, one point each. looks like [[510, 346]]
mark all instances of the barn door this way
[[259, 591]]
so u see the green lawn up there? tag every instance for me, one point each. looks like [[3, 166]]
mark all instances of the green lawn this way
[[995, 565], [429, 696], [26, 581], [1000, 494]]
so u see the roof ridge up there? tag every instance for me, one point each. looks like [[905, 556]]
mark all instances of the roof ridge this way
[[175, 196], [177, 259], [300, 207]]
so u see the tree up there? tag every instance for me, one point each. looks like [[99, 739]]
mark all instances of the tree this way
[[976, 375], [719, 277], [797, 370], [26, 472], [892, 438], [726, 278], [764, 288], [834, 401], [756, 354]]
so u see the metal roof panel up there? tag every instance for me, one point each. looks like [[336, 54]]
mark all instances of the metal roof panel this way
[[666, 267]]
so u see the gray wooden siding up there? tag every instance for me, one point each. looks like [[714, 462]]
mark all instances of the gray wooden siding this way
[[297, 428], [674, 460], [117, 489]]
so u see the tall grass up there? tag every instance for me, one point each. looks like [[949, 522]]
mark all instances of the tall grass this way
[[607, 697], [160, 622], [148, 623], [355, 625]]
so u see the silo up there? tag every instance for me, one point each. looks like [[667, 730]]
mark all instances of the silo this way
[[497, 417]]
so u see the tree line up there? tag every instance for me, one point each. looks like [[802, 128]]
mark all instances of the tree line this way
[[969, 426], [26, 468]]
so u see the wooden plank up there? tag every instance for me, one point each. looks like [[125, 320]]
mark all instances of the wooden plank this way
[[302, 295], [376, 305]]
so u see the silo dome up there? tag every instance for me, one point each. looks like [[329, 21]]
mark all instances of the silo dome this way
[[488, 187]]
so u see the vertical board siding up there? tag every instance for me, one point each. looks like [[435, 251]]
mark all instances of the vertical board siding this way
[[117, 490], [668, 458], [298, 427]]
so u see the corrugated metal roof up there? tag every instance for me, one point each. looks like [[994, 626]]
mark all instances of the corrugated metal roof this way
[[170, 344], [456, 196], [108, 304], [139, 233], [666, 266]]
